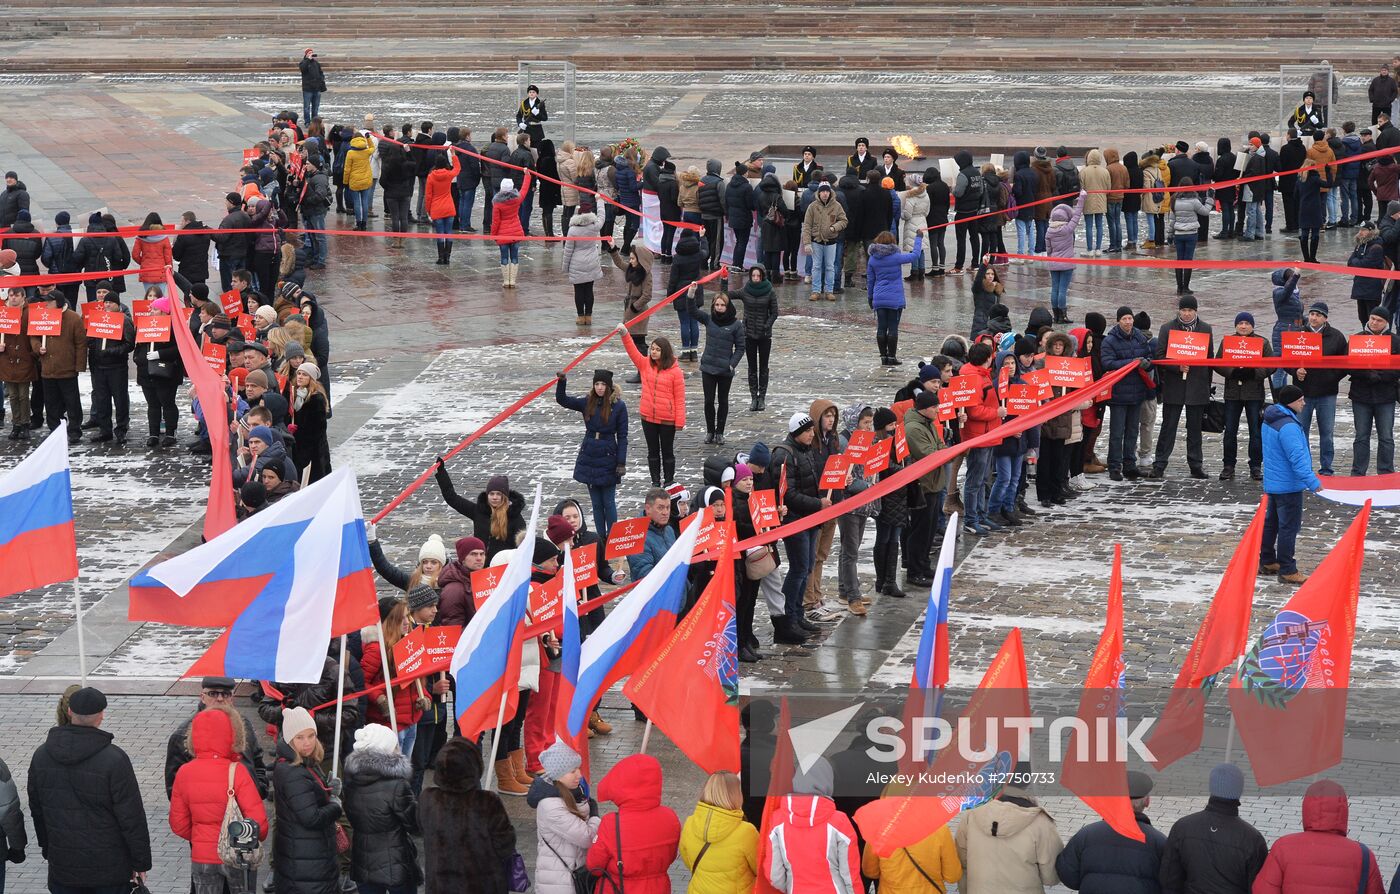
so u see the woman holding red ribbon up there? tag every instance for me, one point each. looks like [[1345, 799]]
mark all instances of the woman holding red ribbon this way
[[662, 404], [505, 221], [442, 208]]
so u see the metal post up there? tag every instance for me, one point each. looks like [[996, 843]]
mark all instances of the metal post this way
[[339, 705], [82, 643]]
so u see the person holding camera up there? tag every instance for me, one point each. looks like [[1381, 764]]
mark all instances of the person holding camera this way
[[200, 798]]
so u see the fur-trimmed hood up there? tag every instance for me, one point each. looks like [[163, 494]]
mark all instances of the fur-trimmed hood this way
[[366, 766]]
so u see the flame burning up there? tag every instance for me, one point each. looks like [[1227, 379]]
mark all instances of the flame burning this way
[[905, 145]]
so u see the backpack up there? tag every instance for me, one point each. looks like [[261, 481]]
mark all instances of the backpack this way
[[1066, 181]]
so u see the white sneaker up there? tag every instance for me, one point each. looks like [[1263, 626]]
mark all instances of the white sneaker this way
[[807, 279], [1082, 484], [824, 612]]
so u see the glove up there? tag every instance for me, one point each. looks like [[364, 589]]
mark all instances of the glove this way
[[442, 466], [561, 376], [620, 470], [1144, 363], [335, 802], [336, 785], [371, 534]]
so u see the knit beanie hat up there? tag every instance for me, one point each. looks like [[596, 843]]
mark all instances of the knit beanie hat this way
[[1287, 395], [558, 760], [376, 737], [1244, 316], [1186, 302], [544, 551], [742, 471], [1318, 307], [311, 369], [62, 219], [467, 545], [1226, 781], [433, 548], [1124, 311], [386, 606], [760, 455], [262, 433], [295, 721], [799, 423], [558, 530], [498, 484], [293, 350], [817, 780], [1142, 321], [884, 417], [925, 399], [421, 597], [256, 377]]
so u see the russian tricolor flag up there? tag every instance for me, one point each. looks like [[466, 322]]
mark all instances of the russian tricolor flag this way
[[284, 583], [37, 543], [486, 662], [639, 625], [931, 661]]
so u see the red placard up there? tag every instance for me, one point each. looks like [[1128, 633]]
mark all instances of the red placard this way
[[247, 327], [232, 302], [545, 602], [627, 538], [152, 328], [1182, 345], [710, 534], [484, 583], [106, 324], [216, 355], [901, 443], [900, 407], [858, 445], [763, 509], [1069, 372], [1004, 375], [585, 566], [962, 391], [88, 308], [834, 474], [141, 306], [1369, 345], [424, 651], [1021, 399], [250, 156], [946, 413], [1241, 347], [44, 320], [1041, 380], [878, 459], [10, 320], [1301, 345]]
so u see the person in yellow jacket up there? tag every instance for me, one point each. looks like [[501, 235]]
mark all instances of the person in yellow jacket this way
[[929, 866], [717, 845], [359, 178]]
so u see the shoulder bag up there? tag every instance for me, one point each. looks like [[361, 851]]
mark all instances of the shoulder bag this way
[[233, 814]]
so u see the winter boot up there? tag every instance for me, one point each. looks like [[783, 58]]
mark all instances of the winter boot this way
[[893, 342], [953, 504], [753, 404], [884, 344], [891, 587], [517, 765], [784, 633], [598, 725], [762, 398], [506, 783], [505, 276], [514, 274]]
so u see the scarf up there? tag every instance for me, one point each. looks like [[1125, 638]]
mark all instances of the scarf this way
[[725, 317], [636, 275], [300, 398]]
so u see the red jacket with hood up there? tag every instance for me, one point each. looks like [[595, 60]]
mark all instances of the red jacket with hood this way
[[651, 833], [200, 795], [983, 417], [1320, 859], [811, 848]]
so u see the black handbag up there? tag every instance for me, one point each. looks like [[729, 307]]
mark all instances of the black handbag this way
[[161, 369], [1213, 419], [587, 881]]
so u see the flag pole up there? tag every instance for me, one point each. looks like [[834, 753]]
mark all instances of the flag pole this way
[[82, 643], [490, 762], [646, 737], [388, 680], [339, 709]]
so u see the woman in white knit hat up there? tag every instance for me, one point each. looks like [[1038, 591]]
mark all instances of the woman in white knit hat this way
[[566, 819], [308, 805], [432, 555]]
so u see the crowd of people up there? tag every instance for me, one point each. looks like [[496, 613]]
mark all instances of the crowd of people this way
[[865, 225]]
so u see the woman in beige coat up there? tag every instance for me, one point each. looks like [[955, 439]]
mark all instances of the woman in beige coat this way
[[1151, 180], [1095, 179], [913, 216]]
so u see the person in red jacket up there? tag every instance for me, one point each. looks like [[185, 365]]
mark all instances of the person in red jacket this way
[[152, 250], [975, 420], [650, 833], [1320, 859], [812, 847], [200, 797], [408, 699], [438, 201], [663, 404], [505, 221]]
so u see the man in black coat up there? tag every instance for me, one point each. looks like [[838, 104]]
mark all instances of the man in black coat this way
[[1290, 158], [214, 692], [1320, 385], [190, 250], [468, 179], [739, 206], [1183, 388], [1214, 851], [1381, 91], [1098, 859], [86, 804], [14, 198], [1373, 396], [232, 247], [1389, 135], [313, 84]]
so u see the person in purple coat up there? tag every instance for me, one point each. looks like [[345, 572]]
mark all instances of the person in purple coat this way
[[1059, 243]]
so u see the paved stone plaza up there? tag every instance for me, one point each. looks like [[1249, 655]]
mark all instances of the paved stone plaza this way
[[422, 355]]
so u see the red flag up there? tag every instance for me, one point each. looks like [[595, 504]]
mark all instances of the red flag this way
[[1290, 696], [1100, 768], [780, 771], [900, 821], [213, 402], [1220, 640], [701, 660]]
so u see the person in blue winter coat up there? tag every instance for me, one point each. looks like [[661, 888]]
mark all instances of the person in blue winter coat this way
[[629, 194], [1288, 308], [602, 457], [58, 256], [1288, 471], [1098, 860], [885, 284], [1124, 345]]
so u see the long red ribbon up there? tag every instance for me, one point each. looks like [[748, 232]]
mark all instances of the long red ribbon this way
[[1201, 264], [1330, 361]]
